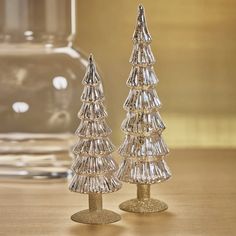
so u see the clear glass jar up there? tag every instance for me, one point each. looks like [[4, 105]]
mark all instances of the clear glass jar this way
[[40, 82]]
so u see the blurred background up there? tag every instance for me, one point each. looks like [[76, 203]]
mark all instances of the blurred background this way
[[43, 55], [194, 44]]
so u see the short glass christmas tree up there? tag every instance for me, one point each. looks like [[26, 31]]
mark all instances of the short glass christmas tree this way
[[94, 170], [143, 149]]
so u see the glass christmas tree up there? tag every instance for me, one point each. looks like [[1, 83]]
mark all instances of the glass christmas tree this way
[[143, 149], [94, 170]]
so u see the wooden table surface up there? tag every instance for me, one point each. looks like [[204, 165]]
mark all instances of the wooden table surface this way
[[201, 198]]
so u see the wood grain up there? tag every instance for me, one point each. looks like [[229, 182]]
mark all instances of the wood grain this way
[[201, 197]]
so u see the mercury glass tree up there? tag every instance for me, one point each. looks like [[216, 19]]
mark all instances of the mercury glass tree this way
[[94, 170], [143, 149]]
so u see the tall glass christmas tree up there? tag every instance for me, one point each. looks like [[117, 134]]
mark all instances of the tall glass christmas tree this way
[[143, 149], [94, 170]]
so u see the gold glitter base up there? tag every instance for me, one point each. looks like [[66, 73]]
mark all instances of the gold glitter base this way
[[96, 217], [143, 203], [143, 206]]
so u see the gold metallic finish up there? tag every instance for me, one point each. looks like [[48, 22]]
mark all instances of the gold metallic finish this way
[[95, 201], [143, 203], [143, 150], [95, 214], [96, 217], [143, 191], [94, 169]]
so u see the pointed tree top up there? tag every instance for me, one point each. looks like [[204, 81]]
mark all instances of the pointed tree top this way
[[141, 9], [91, 76], [141, 33], [91, 60], [91, 64]]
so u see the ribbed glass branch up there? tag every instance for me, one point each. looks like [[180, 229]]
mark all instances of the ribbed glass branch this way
[[94, 170], [143, 148]]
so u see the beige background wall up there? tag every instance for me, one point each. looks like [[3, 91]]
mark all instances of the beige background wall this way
[[194, 43]]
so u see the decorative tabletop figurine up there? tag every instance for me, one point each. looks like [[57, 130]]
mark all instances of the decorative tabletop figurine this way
[[94, 170], [143, 149]]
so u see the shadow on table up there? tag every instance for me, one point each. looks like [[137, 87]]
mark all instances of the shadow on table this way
[[138, 224], [96, 230], [152, 223]]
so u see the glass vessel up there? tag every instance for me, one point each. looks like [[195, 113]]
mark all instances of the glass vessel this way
[[40, 82]]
